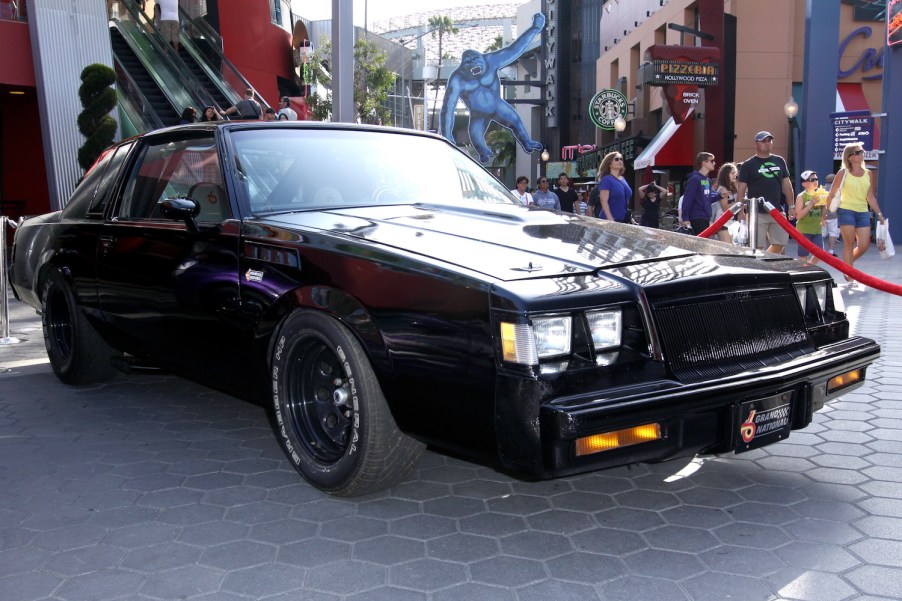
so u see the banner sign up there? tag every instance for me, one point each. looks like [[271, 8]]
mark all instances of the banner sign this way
[[852, 126], [681, 70]]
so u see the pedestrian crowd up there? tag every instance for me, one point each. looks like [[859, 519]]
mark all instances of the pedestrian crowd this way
[[839, 207]]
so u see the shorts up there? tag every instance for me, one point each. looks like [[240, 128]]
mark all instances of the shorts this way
[[170, 31], [770, 232], [856, 218], [815, 239], [831, 229]]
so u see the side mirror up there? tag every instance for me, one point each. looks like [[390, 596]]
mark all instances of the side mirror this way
[[181, 209]]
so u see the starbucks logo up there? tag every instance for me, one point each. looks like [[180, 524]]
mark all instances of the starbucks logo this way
[[605, 107]]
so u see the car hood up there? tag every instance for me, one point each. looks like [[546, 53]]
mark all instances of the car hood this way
[[508, 242]]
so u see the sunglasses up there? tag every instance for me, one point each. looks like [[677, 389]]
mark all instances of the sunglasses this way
[[855, 153], [811, 179], [617, 159]]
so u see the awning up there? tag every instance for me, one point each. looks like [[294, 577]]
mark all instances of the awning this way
[[850, 97], [672, 146]]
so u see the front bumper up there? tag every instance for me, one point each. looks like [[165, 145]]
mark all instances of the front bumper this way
[[697, 418]]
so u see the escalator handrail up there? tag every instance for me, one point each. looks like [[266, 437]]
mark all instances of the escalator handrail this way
[[132, 91], [207, 30], [199, 97]]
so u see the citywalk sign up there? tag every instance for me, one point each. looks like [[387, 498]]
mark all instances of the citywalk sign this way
[[681, 71]]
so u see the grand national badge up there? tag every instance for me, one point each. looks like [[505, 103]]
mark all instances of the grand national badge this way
[[606, 106]]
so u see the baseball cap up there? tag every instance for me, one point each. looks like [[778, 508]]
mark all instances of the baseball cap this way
[[763, 135], [808, 174]]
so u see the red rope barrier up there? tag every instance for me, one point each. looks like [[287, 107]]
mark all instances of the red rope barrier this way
[[826, 257], [715, 227]]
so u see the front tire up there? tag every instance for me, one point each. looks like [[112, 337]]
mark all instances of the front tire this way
[[330, 415], [77, 353]]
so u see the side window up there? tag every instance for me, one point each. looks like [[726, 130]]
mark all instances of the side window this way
[[182, 168], [86, 190], [104, 188]]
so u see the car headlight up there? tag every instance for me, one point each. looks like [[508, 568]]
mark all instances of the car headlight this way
[[812, 299], [552, 335], [606, 328], [543, 337]]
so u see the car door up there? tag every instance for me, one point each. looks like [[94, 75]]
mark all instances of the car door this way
[[170, 292]]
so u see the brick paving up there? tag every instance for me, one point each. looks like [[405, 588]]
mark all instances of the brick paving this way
[[150, 488]]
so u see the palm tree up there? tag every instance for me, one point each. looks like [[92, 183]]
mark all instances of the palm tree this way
[[441, 26], [504, 149], [497, 44]]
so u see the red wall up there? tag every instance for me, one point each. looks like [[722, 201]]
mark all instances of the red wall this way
[[21, 150], [16, 68], [259, 49], [24, 175]]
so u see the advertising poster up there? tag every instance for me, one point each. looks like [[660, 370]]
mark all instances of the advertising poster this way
[[893, 22]]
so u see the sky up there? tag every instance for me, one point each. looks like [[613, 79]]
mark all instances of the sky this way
[[379, 10]]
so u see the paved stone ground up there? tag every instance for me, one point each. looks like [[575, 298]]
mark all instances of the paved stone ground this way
[[155, 488]]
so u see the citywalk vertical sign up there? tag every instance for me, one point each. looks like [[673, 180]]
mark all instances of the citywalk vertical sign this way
[[681, 71], [551, 63]]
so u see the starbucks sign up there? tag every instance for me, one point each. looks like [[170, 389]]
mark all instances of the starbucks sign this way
[[606, 106]]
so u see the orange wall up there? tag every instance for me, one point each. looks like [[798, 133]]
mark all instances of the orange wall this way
[[259, 49]]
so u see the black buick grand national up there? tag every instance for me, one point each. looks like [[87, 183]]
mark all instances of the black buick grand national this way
[[381, 291]]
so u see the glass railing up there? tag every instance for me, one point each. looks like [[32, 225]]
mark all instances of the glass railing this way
[[136, 115], [170, 73], [13, 10], [218, 68]]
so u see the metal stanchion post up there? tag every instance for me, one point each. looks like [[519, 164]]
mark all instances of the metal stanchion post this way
[[4, 299], [752, 212]]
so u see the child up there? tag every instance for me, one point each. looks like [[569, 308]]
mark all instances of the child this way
[[811, 215], [830, 231]]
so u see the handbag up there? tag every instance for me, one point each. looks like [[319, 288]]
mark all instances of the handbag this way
[[884, 241], [834, 204]]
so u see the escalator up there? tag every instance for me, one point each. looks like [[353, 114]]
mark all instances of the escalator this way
[[156, 101], [154, 84], [222, 102]]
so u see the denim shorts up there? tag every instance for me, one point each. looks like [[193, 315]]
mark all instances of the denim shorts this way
[[856, 218], [816, 239]]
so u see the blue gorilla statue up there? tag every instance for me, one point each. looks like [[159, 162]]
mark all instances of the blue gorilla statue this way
[[476, 82]]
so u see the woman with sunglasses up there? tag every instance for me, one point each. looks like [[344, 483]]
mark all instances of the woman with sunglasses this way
[[614, 193], [855, 185]]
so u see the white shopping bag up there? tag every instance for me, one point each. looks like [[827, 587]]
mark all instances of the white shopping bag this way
[[884, 241]]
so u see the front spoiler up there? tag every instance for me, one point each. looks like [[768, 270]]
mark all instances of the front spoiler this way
[[696, 418]]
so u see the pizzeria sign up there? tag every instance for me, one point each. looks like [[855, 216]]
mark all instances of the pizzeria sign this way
[[665, 72]]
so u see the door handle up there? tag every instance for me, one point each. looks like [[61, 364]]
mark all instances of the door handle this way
[[107, 242]]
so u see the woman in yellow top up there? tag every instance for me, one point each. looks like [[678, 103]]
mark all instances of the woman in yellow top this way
[[857, 185]]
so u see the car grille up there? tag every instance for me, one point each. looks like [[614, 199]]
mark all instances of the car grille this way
[[715, 338]]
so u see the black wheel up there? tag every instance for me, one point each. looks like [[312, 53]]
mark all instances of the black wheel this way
[[78, 355], [330, 415]]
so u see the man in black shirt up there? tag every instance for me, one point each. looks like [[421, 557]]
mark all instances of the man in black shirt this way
[[565, 193], [767, 176]]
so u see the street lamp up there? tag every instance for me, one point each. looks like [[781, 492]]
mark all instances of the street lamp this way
[[791, 109], [619, 125], [430, 73], [545, 156]]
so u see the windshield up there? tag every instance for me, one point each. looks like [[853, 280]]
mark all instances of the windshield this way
[[301, 169]]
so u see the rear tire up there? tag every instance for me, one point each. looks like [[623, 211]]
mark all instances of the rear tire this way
[[77, 353], [330, 415]]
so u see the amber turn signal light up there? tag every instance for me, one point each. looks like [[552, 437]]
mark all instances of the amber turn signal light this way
[[842, 380], [617, 439]]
